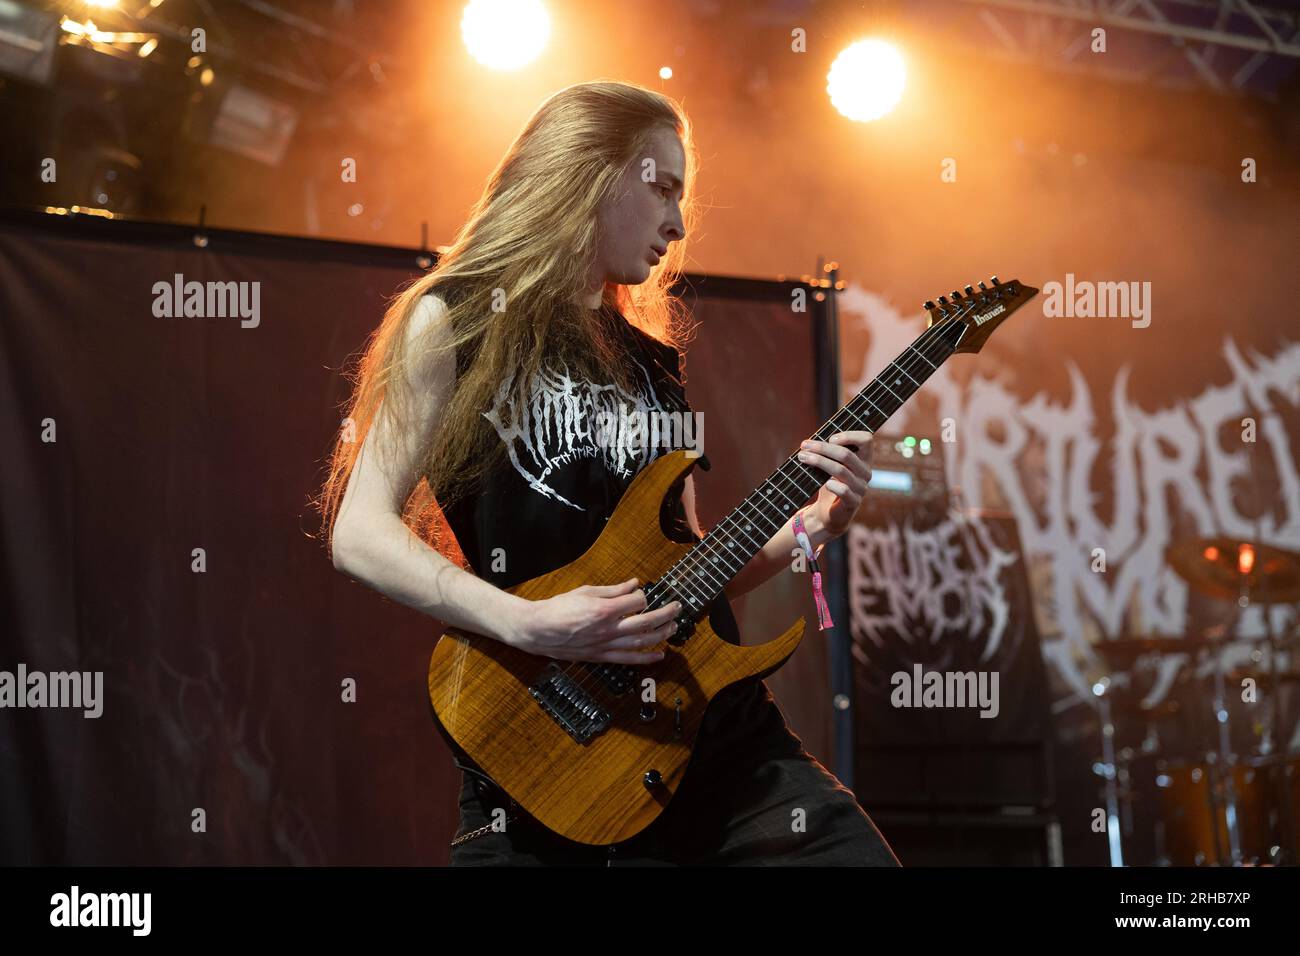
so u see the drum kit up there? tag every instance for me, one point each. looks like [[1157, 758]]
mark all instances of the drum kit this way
[[1214, 769]]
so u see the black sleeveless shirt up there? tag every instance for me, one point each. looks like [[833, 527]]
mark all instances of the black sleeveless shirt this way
[[547, 502]]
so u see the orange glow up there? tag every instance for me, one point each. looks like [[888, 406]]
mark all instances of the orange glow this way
[[866, 80], [505, 34], [1211, 553], [1245, 558]]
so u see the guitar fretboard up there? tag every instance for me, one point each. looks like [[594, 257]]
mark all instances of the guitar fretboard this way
[[704, 571]]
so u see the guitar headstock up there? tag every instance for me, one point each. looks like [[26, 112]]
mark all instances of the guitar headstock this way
[[981, 310]]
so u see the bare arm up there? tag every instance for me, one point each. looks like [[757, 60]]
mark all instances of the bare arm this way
[[374, 545]]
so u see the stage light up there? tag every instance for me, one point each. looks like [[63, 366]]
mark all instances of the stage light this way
[[102, 4], [866, 80], [665, 72], [77, 28], [505, 34], [253, 125], [128, 45], [28, 39]]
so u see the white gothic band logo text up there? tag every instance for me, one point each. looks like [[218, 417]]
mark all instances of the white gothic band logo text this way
[[562, 418]]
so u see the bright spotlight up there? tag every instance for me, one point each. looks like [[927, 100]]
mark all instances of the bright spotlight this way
[[866, 80], [665, 72], [505, 34]]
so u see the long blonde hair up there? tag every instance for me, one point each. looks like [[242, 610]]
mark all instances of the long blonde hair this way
[[529, 238]]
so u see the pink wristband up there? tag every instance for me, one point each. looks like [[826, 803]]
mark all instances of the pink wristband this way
[[823, 611]]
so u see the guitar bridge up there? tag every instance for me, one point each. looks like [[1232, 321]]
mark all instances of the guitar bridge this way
[[569, 704]]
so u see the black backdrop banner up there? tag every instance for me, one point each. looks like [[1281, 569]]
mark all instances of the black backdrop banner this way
[[951, 691], [156, 533]]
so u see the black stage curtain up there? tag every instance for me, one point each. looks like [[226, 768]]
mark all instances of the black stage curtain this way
[[133, 441]]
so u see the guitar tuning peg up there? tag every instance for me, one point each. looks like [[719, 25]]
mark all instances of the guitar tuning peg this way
[[970, 290], [994, 280], [956, 296], [983, 287], [928, 305], [943, 300]]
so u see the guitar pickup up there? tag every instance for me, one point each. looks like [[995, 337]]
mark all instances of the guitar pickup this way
[[617, 678]]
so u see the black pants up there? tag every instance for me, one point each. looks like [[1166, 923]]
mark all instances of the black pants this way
[[751, 796]]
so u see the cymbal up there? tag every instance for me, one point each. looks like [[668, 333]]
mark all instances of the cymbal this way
[[1227, 568]]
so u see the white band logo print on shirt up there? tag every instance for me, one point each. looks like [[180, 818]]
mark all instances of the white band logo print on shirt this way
[[560, 419]]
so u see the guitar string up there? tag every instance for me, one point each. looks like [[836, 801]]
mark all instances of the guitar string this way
[[692, 562], [779, 473], [923, 345], [918, 347]]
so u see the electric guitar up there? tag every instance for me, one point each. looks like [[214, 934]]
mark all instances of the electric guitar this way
[[595, 751]]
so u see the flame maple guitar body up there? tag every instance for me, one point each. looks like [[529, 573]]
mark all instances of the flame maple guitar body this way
[[508, 710], [576, 745]]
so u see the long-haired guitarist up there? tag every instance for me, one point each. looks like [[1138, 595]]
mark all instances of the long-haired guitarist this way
[[486, 378]]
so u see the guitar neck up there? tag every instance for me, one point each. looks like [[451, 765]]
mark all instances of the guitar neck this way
[[703, 572]]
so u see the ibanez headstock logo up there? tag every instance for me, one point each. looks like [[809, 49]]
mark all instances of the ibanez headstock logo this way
[[981, 319]]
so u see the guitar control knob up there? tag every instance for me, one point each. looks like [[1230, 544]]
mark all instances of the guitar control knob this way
[[685, 628], [652, 779], [647, 712]]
